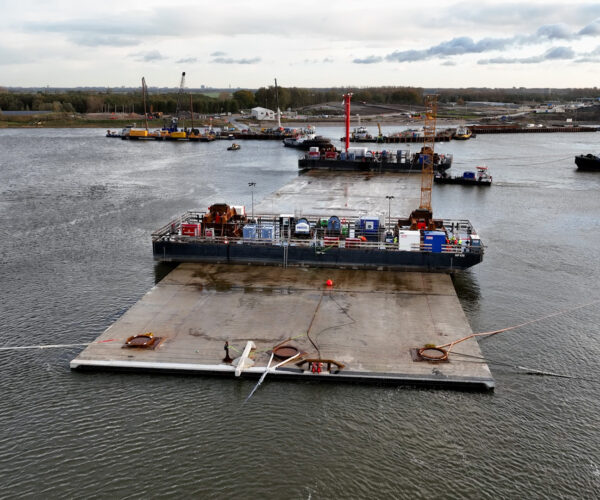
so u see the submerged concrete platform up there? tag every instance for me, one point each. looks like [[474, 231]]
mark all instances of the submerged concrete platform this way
[[345, 194], [368, 321]]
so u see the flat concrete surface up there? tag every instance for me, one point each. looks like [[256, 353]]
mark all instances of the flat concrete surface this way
[[346, 194], [368, 321]]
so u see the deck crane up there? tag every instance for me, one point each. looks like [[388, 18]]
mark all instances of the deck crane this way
[[422, 218], [173, 127]]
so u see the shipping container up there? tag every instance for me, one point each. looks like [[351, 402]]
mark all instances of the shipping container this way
[[249, 231], [409, 241], [267, 232], [369, 225], [434, 241], [191, 229], [352, 242], [357, 152]]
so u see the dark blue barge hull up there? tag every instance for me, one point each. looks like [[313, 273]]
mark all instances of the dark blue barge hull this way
[[283, 255]]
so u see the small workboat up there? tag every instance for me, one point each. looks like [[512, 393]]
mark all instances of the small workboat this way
[[462, 134], [589, 162], [234, 147], [469, 178]]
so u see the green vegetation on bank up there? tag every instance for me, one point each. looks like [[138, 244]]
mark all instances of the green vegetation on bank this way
[[288, 97], [224, 102]]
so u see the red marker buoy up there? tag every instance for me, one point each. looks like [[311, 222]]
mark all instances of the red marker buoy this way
[[329, 282]]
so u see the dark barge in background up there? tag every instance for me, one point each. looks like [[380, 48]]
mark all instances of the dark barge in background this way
[[225, 234], [361, 159]]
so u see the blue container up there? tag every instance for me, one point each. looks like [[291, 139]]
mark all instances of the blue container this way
[[434, 238], [342, 156], [369, 225], [249, 231], [267, 232], [351, 156], [468, 175]]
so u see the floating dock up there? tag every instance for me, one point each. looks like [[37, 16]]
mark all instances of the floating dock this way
[[365, 326]]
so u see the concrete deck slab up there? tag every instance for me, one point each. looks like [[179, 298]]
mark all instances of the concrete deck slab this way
[[346, 194], [368, 321]]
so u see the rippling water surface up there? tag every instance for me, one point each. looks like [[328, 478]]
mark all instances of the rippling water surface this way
[[77, 210]]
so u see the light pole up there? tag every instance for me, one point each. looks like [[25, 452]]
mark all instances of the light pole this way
[[252, 184], [389, 198]]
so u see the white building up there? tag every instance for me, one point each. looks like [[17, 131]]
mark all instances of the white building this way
[[263, 114]]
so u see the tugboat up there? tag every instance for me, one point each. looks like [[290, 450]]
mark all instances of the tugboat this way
[[588, 163], [462, 134], [234, 147], [469, 178]]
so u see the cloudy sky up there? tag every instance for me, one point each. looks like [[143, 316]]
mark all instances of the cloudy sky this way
[[238, 43]]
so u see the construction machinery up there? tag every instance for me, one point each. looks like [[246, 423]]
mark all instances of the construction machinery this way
[[422, 218], [180, 95]]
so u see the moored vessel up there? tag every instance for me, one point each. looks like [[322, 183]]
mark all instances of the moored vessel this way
[[481, 177], [226, 234], [363, 159], [589, 162]]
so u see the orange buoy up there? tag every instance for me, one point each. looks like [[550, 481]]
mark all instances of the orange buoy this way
[[329, 282]]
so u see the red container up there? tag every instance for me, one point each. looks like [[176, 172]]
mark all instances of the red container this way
[[352, 242], [331, 241], [191, 229]]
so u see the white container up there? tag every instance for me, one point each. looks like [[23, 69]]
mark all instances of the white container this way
[[358, 152], [409, 241]]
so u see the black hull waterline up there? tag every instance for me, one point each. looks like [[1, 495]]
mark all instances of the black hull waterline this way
[[332, 257], [366, 165], [459, 180]]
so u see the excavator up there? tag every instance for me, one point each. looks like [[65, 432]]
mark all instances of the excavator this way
[[380, 135]]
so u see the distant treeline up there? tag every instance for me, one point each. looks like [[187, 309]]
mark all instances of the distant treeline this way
[[516, 95], [290, 97]]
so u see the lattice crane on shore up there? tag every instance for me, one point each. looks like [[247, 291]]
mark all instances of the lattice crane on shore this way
[[144, 97], [180, 95], [422, 218]]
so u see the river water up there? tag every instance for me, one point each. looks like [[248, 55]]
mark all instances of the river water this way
[[77, 210]]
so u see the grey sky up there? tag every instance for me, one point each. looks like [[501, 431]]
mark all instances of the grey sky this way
[[311, 43]]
